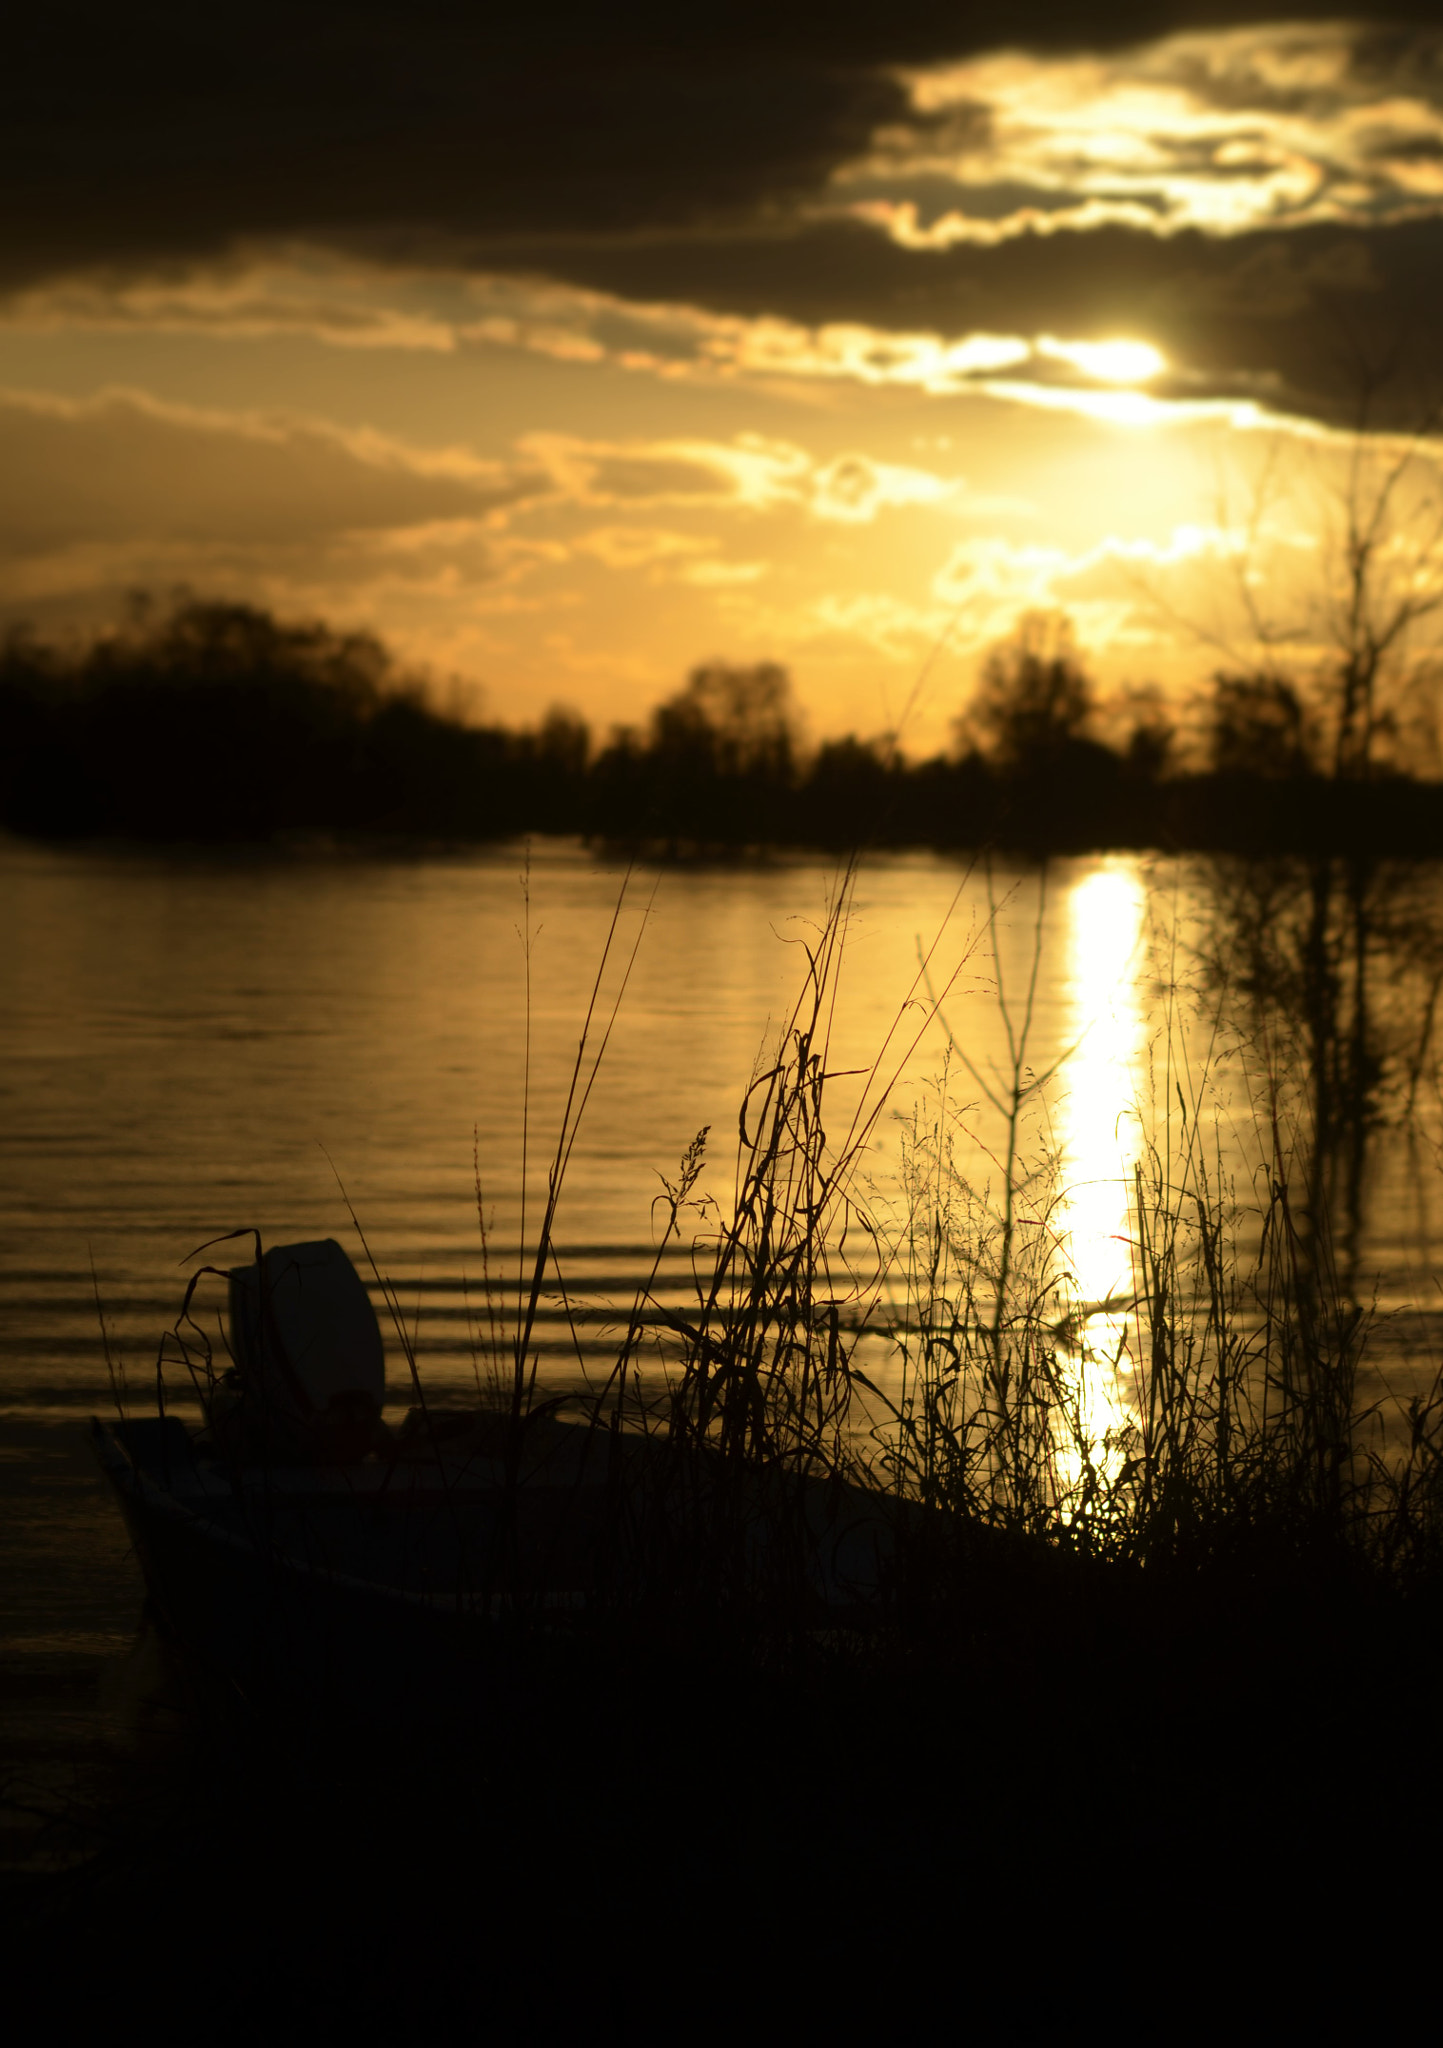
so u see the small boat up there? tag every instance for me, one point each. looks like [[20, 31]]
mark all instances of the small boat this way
[[295, 1546]]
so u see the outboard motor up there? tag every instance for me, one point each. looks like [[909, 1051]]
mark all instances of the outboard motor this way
[[310, 1374]]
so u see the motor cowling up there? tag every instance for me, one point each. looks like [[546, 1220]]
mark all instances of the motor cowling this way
[[310, 1367]]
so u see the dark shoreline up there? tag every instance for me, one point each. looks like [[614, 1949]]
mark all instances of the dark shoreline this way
[[219, 725], [1249, 818]]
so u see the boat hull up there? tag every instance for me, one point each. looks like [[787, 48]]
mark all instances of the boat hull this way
[[432, 1593], [265, 1625]]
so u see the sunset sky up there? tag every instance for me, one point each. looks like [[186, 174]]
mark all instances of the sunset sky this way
[[569, 354]]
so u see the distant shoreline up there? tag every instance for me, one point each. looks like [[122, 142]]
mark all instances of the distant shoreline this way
[[217, 725], [1400, 818]]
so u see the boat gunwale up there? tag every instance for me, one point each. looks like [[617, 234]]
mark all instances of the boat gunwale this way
[[129, 1477]]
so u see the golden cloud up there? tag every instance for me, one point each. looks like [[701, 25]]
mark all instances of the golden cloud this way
[[295, 291], [1224, 131]]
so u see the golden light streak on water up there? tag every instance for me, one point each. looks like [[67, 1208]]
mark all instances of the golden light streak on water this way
[[1097, 1128]]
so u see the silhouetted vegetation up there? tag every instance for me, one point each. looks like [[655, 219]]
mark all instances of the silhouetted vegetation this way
[[1165, 1568], [217, 722]]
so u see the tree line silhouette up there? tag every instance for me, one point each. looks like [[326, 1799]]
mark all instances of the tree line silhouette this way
[[213, 721]]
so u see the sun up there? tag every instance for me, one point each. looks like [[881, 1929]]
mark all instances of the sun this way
[[1113, 362], [1106, 362]]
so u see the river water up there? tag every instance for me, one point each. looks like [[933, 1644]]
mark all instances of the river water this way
[[193, 1046]]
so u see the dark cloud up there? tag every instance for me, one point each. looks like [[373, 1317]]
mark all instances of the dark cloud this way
[[650, 151], [170, 131], [131, 133]]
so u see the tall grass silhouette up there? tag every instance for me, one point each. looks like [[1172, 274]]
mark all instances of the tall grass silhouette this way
[[930, 1364]]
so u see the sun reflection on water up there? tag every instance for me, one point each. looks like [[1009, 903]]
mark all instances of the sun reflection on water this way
[[1097, 1130]]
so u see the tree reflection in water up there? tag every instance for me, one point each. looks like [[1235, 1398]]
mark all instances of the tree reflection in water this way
[[1332, 970]]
